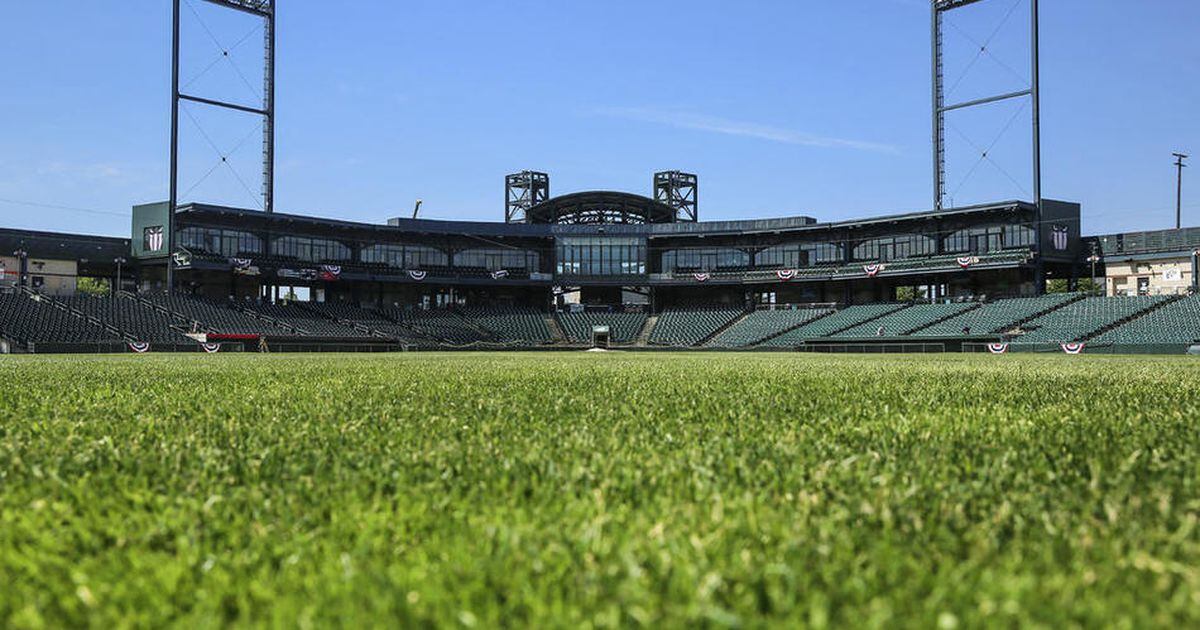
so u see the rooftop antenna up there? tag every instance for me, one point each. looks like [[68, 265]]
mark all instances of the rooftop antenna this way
[[416, 208]]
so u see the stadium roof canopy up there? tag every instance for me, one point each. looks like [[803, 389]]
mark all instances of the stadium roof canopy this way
[[601, 207]]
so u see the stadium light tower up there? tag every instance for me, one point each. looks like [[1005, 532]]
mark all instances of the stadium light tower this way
[[939, 8], [523, 191], [680, 191], [264, 9]]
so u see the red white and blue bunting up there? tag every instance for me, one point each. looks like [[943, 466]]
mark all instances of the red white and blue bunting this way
[[499, 274], [966, 261], [417, 275], [330, 273], [786, 274], [1073, 348], [210, 347], [872, 269], [702, 276], [997, 348], [139, 347]]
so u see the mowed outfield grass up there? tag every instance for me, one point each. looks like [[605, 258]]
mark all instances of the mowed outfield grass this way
[[609, 490]]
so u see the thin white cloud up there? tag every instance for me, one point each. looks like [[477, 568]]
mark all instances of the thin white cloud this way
[[716, 124]]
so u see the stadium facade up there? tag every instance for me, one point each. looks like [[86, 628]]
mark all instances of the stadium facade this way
[[604, 248], [600, 267]]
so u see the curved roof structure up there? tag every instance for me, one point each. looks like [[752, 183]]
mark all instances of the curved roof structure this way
[[601, 207]]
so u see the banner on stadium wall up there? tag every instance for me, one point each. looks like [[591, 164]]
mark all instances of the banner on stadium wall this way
[[330, 273], [1059, 237], [210, 347], [702, 276], [1072, 348], [139, 347], [967, 261], [499, 274], [872, 269], [786, 274], [243, 266], [417, 275], [997, 348]]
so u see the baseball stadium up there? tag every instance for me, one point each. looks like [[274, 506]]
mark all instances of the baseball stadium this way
[[603, 408]]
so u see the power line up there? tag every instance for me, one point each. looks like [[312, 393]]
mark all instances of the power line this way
[[52, 206]]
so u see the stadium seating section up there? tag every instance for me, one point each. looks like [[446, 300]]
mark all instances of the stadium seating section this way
[[835, 322], [131, 317], [1177, 322], [623, 327], [996, 317], [905, 320], [688, 327], [1077, 320], [306, 322], [442, 326], [27, 318], [511, 325], [760, 325]]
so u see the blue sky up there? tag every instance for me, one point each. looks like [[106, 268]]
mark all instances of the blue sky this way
[[782, 107]]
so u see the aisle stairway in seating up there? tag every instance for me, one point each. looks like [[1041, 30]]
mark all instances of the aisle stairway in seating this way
[[643, 338]]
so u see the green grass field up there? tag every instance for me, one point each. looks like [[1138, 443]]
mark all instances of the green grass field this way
[[620, 489]]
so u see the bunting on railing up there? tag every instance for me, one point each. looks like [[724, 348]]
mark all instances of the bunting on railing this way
[[1073, 348], [417, 274], [499, 274], [330, 273], [210, 347], [872, 269], [966, 261], [785, 274], [243, 266], [702, 276], [997, 348], [139, 347]]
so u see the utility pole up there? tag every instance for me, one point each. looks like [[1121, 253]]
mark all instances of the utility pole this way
[[1179, 166]]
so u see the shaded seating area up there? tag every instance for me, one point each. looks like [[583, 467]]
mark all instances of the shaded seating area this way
[[690, 326], [996, 317], [305, 321], [904, 321], [26, 319], [438, 326], [623, 327], [510, 324], [759, 325], [1077, 320], [1177, 322], [131, 317], [217, 317], [834, 322]]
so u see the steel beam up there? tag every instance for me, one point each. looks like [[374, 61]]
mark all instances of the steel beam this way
[[223, 104], [987, 100]]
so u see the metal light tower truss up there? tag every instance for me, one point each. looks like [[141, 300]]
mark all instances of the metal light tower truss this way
[[680, 191], [264, 9], [523, 191], [940, 108]]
